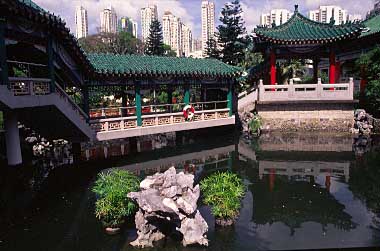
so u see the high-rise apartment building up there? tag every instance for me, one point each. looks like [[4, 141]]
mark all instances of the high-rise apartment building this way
[[128, 25], [148, 14], [172, 32], [327, 13], [108, 20], [197, 44], [208, 22], [81, 22], [187, 40], [276, 16]]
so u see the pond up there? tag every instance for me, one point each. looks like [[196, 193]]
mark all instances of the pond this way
[[303, 192]]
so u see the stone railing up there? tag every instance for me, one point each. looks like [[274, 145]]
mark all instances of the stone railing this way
[[112, 112], [124, 123], [302, 92], [39, 87], [28, 86]]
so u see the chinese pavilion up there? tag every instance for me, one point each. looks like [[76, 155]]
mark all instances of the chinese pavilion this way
[[302, 38]]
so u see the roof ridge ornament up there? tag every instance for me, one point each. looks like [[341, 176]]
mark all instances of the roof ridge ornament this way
[[296, 8]]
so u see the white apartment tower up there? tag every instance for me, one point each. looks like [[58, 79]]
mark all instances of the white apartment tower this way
[[208, 22], [187, 40], [81, 22], [108, 20], [276, 16], [325, 13], [148, 14], [172, 32]]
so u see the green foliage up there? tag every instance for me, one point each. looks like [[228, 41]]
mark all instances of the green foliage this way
[[212, 49], [223, 192], [255, 124], [168, 51], [291, 69], [116, 43], [231, 33], [154, 44], [369, 66], [112, 188]]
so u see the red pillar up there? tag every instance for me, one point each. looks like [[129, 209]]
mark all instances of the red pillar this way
[[332, 71], [337, 71], [273, 68]]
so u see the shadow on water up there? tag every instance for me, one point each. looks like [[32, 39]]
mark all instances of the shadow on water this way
[[303, 191]]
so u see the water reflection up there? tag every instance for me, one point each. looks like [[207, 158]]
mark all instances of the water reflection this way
[[303, 191]]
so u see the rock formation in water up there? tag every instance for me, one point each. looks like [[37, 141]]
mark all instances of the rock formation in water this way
[[168, 206], [363, 123]]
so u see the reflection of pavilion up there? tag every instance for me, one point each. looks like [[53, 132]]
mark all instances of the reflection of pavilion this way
[[196, 162], [304, 168]]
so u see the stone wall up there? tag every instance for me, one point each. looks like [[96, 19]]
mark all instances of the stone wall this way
[[298, 116]]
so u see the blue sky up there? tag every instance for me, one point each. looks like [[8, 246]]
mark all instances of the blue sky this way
[[190, 10]]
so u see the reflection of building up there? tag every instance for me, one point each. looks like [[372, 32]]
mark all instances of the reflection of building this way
[[148, 14], [208, 22], [108, 20], [127, 24], [276, 16], [81, 22]]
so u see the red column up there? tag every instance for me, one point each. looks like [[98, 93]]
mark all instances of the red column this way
[[332, 67], [273, 68], [337, 71]]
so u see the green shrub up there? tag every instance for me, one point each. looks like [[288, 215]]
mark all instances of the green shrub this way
[[223, 192], [255, 124], [112, 188]]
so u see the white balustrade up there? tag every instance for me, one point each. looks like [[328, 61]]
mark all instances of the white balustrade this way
[[302, 92], [125, 123]]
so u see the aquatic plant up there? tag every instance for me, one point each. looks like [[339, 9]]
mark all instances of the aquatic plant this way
[[111, 188], [255, 124], [223, 192]]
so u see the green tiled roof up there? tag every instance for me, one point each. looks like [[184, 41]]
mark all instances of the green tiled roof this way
[[372, 26], [154, 65], [32, 4], [301, 30]]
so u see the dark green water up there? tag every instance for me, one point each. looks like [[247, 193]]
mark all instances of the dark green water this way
[[303, 192]]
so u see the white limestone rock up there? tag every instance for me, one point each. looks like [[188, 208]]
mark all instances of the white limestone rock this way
[[168, 198]]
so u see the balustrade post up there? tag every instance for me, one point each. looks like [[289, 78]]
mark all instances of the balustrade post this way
[[106, 126], [50, 54], [261, 90], [351, 88], [156, 120], [319, 88], [138, 103], [3, 54], [291, 89], [122, 125]]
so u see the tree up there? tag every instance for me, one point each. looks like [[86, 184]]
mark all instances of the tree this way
[[168, 51], [369, 67], [212, 49], [231, 33], [117, 43], [154, 44]]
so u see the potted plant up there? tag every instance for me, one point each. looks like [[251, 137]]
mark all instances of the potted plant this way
[[223, 192], [113, 205]]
